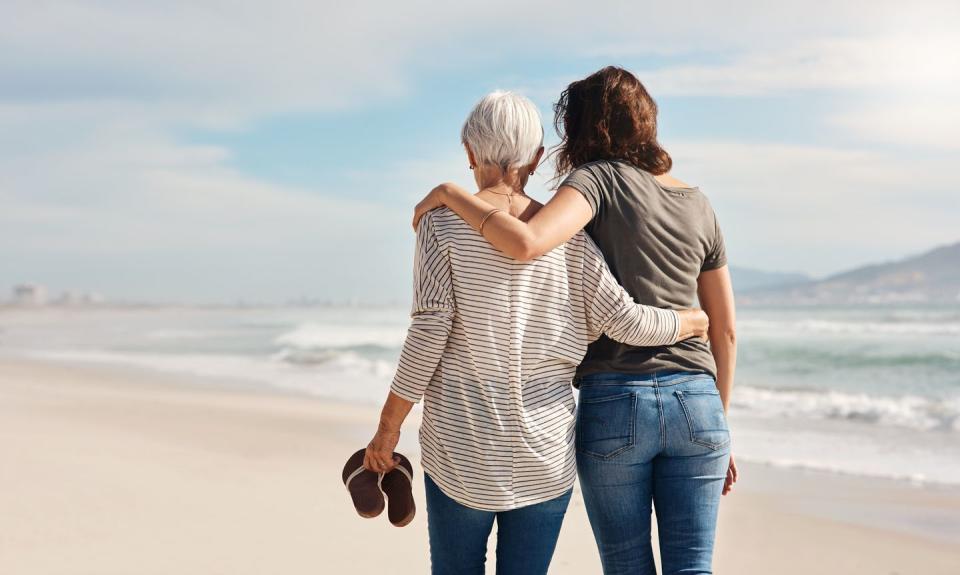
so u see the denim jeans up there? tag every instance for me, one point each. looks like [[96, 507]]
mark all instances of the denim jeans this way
[[660, 441], [526, 537]]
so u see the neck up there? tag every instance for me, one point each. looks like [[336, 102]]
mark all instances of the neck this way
[[494, 180], [502, 188]]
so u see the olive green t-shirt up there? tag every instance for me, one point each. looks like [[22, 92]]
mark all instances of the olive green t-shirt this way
[[657, 240]]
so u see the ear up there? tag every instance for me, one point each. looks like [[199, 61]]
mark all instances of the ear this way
[[470, 158], [536, 160]]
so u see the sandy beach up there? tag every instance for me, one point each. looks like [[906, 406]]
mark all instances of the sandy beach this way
[[110, 471]]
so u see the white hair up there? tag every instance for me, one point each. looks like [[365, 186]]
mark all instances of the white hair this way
[[504, 130]]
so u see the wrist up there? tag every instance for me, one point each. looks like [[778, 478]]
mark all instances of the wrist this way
[[443, 194], [388, 428]]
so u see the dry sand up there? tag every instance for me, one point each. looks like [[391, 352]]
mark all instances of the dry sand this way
[[121, 472]]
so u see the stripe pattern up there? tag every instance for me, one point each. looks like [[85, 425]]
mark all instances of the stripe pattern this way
[[492, 349]]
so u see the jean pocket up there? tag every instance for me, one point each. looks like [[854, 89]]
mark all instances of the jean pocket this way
[[703, 411], [606, 425]]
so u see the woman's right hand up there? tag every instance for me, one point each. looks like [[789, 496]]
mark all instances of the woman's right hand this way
[[693, 323], [379, 457]]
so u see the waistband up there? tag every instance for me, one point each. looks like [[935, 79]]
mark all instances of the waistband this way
[[658, 379]]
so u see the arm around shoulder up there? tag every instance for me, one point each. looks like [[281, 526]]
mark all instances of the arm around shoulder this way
[[556, 222], [610, 310]]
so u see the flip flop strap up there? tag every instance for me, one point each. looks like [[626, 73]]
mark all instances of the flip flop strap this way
[[404, 471], [350, 477], [361, 469], [399, 468]]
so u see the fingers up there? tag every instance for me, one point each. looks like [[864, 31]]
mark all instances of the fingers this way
[[731, 477], [424, 206], [418, 214], [368, 462], [374, 460], [391, 464], [430, 202], [379, 460]]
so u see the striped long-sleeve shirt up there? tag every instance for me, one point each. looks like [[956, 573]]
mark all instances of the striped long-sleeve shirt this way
[[492, 349]]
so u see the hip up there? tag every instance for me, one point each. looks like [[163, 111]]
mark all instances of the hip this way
[[674, 413], [606, 356]]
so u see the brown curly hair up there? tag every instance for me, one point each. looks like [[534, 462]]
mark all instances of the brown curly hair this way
[[608, 116]]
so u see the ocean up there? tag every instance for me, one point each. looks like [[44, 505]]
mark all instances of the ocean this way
[[870, 391]]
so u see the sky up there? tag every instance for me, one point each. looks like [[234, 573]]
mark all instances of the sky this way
[[250, 151]]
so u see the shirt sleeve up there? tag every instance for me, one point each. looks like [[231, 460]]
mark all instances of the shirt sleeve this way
[[717, 255], [588, 182], [610, 310], [431, 316]]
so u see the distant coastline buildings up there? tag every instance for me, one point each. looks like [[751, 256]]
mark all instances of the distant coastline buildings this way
[[29, 295], [36, 295]]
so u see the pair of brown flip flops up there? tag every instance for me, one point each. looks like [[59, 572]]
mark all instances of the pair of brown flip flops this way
[[367, 489]]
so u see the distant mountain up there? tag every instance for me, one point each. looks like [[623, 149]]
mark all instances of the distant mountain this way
[[931, 277], [749, 279]]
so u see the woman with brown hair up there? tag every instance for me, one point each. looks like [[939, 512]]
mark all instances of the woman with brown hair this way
[[651, 423]]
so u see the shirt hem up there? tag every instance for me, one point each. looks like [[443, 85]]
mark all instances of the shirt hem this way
[[440, 481]]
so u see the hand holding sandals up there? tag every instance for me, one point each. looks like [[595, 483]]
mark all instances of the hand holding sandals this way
[[378, 471], [367, 488], [379, 456]]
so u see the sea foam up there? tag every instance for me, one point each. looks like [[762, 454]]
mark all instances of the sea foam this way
[[911, 412]]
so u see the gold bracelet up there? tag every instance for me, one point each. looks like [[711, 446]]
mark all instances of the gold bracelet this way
[[487, 217]]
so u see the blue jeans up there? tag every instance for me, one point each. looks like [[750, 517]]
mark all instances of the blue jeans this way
[[526, 537], [661, 441]]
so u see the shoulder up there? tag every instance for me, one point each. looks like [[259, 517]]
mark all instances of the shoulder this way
[[439, 219], [444, 226], [670, 181], [597, 169], [582, 246], [593, 180], [703, 200]]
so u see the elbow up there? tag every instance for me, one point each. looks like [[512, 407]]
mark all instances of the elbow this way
[[524, 255], [526, 250], [724, 335]]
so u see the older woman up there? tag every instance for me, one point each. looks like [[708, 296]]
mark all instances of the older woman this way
[[492, 349]]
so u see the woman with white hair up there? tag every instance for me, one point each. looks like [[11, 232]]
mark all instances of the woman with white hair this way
[[492, 350]]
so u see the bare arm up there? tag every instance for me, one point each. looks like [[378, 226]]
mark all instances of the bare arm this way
[[562, 217], [716, 297]]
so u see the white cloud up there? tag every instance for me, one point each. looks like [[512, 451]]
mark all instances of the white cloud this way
[[919, 125], [895, 64], [93, 177], [821, 209], [226, 59], [176, 221], [230, 60]]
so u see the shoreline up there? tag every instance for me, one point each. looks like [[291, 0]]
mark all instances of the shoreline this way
[[747, 427], [119, 470]]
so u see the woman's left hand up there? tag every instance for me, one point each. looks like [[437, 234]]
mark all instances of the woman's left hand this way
[[433, 200], [732, 476], [379, 457]]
